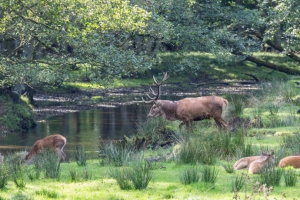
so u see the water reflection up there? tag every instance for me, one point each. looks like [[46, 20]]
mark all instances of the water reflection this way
[[85, 128]]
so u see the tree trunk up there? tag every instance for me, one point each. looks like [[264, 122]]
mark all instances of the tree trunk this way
[[284, 69]]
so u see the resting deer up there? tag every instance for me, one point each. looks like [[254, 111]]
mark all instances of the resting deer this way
[[293, 161], [188, 109], [257, 166], [244, 163], [54, 142]]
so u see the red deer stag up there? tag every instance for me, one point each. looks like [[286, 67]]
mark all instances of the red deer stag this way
[[55, 142], [293, 161], [257, 166], [188, 109], [244, 163]]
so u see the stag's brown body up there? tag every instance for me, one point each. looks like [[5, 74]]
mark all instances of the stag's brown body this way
[[55, 142], [191, 109], [293, 161]]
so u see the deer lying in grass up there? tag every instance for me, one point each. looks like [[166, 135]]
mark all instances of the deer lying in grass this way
[[244, 163], [257, 166], [187, 110], [54, 142], [293, 161]]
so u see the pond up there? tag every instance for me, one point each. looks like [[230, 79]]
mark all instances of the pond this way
[[88, 127], [84, 128]]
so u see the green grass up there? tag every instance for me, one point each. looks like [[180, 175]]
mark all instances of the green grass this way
[[165, 185]]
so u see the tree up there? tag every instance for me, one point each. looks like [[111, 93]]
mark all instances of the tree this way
[[42, 41]]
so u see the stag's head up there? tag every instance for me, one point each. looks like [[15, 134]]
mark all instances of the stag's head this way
[[154, 96]]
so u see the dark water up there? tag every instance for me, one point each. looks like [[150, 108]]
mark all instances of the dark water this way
[[85, 128]]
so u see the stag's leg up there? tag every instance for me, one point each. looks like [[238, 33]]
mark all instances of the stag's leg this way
[[219, 121], [187, 125]]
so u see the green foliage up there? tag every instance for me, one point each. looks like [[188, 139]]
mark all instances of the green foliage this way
[[209, 174], [120, 175], [48, 161], [290, 177], [3, 176], [272, 176], [15, 117], [118, 154], [189, 176], [80, 156], [238, 182], [137, 175], [228, 166]]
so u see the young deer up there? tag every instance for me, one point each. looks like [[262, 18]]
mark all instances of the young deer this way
[[258, 165], [293, 161], [244, 163], [55, 142]]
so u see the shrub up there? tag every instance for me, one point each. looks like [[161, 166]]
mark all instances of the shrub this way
[[190, 175]]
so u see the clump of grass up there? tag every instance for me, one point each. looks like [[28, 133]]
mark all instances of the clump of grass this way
[[73, 175], [86, 174], [117, 154], [3, 175], [228, 166], [239, 182], [120, 175], [80, 156], [271, 176], [290, 177], [16, 169], [140, 173], [237, 105], [189, 176], [47, 193], [48, 161], [195, 151], [209, 174]]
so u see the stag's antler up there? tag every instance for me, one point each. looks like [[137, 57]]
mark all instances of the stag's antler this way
[[151, 91]]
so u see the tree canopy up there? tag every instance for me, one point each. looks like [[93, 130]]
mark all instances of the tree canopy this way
[[42, 41]]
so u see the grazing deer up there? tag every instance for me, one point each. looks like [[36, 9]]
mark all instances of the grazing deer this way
[[257, 166], [293, 161], [188, 109], [244, 163], [55, 142]]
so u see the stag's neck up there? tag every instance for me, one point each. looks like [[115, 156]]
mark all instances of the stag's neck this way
[[169, 109]]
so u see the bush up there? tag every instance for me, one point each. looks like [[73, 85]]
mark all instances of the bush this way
[[189, 176]]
